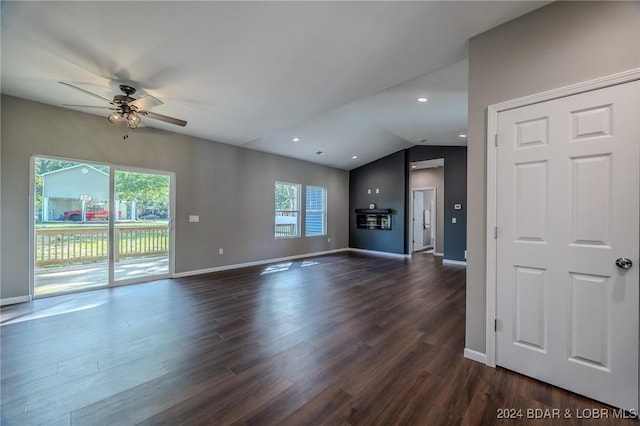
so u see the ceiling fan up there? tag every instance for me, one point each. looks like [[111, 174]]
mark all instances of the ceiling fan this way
[[128, 109]]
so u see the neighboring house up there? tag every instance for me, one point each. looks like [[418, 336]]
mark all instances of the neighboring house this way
[[65, 189]]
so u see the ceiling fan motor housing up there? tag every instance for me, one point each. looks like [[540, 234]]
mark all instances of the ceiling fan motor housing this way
[[128, 90], [123, 102]]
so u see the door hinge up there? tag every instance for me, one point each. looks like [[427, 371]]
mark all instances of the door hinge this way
[[495, 139], [495, 325], [495, 232]]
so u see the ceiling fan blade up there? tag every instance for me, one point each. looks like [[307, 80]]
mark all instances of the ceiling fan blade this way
[[165, 118], [145, 102], [85, 91], [90, 106]]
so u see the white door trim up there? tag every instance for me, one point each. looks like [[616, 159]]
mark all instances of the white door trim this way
[[435, 194], [492, 140], [413, 220]]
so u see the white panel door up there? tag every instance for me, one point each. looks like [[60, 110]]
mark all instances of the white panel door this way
[[434, 223], [567, 209], [418, 224]]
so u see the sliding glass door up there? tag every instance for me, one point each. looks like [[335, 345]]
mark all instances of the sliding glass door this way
[[76, 244], [71, 228], [142, 231]]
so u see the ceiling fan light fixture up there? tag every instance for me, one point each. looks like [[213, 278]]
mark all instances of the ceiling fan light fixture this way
[[114, 117], [133, 120]]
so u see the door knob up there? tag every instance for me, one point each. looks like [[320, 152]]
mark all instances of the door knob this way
[[624, 263]]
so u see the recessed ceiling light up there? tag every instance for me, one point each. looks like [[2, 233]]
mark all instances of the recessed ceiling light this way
[[354, 157], [462, 135], [423, 140], [422, 99], [414, 166], [319, 153], [296, 139]]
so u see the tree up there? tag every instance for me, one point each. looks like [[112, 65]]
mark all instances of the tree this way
[[286, 196], [150, 191]]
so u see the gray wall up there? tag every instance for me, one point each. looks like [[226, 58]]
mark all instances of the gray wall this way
[[555, 46], [455, 192], [433, 177], [389, 175], [230, 188]]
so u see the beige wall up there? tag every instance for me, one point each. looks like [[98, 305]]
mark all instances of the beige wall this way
[[230, 188], [555, 46], [434, 177]]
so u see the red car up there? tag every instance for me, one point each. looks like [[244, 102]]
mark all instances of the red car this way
[[96, 212]]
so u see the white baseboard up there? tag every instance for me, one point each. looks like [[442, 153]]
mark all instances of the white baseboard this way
[[381, 253], [14, 300], [283, 259], [438, 254], [254, 263], [475, 355], [454, 262]]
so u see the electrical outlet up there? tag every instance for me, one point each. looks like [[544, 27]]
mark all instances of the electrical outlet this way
[[220, 251], [194, 218], [453, 220]]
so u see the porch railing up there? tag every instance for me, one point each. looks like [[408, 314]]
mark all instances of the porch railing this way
[[286, 230], [77, 245]]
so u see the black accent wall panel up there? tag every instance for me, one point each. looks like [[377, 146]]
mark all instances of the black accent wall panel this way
[[389, 176]]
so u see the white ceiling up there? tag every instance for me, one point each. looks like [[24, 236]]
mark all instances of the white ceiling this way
[[341, 76]]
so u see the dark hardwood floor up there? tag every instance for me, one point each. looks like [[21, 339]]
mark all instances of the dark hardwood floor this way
[[345, 339]]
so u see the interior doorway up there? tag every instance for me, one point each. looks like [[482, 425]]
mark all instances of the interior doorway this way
[[424, 219], [426, 181]]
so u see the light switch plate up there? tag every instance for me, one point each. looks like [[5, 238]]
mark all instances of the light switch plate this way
[[194, 218]]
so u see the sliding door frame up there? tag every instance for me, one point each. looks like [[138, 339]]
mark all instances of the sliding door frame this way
[[111, 265]]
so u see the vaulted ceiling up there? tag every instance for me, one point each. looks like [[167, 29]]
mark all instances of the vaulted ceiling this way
[[342, 77]]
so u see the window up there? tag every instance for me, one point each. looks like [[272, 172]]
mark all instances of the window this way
[[316, 218], [287, 203]]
